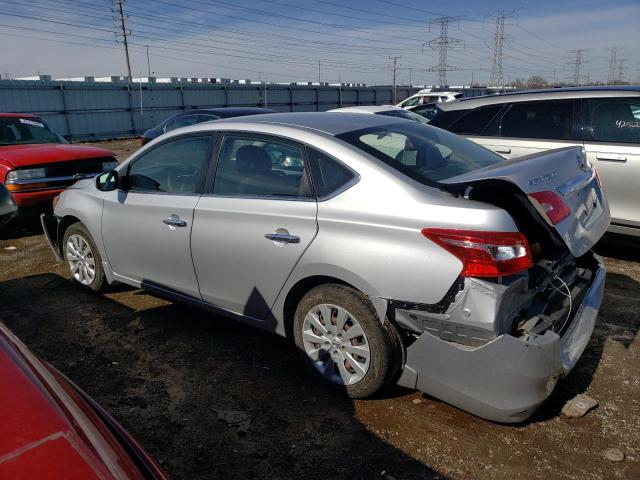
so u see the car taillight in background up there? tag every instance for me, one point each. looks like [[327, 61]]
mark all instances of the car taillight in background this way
[[553, 206], [144, 141], [484, 254]]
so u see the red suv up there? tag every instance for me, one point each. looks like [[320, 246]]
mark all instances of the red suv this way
[[36, 163]]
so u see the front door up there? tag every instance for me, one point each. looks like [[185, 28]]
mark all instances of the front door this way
[[146, 227], [612, 142], [254, 226]]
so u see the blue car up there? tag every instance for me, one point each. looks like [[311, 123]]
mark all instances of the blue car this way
[[191, 117]]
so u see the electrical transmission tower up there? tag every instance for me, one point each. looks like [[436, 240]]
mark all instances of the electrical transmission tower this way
[[613, 63], [497, 74], [443, 43], [395, 69], [120, 24], [578, 65], [620, 69]]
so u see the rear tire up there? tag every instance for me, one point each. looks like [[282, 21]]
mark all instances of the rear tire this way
[[342, 341], [83, 258]]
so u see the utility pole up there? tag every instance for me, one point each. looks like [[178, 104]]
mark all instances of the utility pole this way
[[578, 64], [318, 72], [395, 65], [613, 63], [118, 9], [410, 72], [148, 63], [496, 79], [443, 43]]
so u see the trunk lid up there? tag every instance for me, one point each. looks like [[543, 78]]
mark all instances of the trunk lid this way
[[566, 173]]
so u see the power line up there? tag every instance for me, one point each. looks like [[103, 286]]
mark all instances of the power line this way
[[443, 43]]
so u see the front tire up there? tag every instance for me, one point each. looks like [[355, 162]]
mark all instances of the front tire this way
[[83, 258], [342, 341]]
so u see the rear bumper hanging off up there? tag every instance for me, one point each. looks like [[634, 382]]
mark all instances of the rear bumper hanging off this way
[[506, 379]]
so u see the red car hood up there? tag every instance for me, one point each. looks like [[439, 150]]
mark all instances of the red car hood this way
[[47, 430], [38, 154]]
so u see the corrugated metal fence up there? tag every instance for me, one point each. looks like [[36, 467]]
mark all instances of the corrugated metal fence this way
[[91, 110]]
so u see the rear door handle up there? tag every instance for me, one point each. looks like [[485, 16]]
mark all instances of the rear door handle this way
[[174, 221], [283, 237], [503, 150], [611, 158]]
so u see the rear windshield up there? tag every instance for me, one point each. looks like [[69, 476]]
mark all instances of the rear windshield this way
[[18, 131], [421, 152]]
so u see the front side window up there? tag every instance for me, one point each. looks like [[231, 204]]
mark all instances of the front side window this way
[[409, 102], [261, 166], [476, 121], [549, 120], [19, 131], [614, 120], [176, 167], [423, 153]]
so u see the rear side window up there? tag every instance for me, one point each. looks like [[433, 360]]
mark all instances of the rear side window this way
[[329, 175], [261, 166], [182, 122], [476, 121], [549, 120], [613, 120]]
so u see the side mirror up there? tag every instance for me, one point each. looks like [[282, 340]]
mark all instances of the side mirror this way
[[107, 181], [7, 205]]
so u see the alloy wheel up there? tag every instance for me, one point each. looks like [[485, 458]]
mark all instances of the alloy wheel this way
[[336, 344], [82, 263]]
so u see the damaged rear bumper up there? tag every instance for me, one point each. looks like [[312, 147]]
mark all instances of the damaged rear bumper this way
[[506, 379]]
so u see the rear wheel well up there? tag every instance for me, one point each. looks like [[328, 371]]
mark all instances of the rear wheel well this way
[[298, 291]]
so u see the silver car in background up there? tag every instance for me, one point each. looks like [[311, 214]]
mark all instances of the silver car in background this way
[[605, 121], [387, 250]]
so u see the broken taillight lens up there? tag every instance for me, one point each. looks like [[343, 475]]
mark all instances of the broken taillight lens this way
[[484, 254], [553, 205]]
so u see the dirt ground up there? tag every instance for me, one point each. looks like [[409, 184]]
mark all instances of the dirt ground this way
[[166, 371]]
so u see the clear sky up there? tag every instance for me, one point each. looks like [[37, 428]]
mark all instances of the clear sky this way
[[284, 40]]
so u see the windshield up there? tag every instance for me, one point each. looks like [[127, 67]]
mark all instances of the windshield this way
[[18, 131], [423, 153], [404, 114]]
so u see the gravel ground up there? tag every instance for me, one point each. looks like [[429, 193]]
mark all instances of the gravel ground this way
[[167, 371]]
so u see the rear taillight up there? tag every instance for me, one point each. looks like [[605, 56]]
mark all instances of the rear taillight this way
[[484, 254], [553, 206]]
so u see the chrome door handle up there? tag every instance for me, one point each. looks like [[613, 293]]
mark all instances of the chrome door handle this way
[[283, 237], [174, 221], [619, 159], [503, 150]]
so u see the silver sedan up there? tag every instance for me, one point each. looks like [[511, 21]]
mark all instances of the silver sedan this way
[[387, 250]]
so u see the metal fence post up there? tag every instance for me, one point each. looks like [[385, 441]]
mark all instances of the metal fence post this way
[[132, 116], [65, 110], [290, 99]]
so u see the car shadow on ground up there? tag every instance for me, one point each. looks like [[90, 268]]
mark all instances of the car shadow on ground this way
[[208, 397], [20, 227]]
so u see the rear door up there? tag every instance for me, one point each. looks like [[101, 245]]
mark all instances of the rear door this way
[[146, 228], [254, 224], [612, 142], [525, 128]]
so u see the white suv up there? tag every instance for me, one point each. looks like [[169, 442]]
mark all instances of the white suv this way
[[427, 96]]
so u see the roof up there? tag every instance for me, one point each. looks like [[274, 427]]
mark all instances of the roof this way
[[366, 109], [17, 115], [542, 94], [331, 123]]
